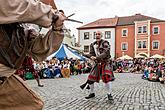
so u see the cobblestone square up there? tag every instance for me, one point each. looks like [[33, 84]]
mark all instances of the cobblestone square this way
[[130, 92]]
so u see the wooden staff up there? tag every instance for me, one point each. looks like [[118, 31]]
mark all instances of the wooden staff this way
[[51, 3]]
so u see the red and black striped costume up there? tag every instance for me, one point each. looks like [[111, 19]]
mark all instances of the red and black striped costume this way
[[102, 68]]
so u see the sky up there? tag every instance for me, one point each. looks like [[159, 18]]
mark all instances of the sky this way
[[90, 10]]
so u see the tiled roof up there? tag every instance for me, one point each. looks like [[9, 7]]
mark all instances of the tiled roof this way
[[118, 21], [129, 20], [101, 23]]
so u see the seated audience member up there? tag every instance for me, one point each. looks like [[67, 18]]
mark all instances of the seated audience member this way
[[65, 71]]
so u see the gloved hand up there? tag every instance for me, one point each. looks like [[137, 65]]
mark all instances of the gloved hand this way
[[93, 57], [58, 20]]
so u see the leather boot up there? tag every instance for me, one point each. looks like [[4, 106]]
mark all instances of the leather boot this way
[[40, 85], [90, 96], [83, 86], [110, 97]]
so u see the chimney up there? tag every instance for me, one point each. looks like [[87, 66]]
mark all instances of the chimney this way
[[116, 16], [137, 14]]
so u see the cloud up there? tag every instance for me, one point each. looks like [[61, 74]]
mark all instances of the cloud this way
[[90, 10]]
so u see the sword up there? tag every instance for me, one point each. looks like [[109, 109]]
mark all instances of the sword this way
[[70, 15], [74, 20], [69, 19]]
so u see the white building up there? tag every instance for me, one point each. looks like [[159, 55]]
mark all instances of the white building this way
[[86, 33], [69, 39]]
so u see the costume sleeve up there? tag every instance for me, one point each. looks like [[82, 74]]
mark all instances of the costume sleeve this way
[[42, 46], [25, 11], [106, 50], [91, 52]]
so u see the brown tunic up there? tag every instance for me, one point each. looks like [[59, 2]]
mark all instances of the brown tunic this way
[[30, 11], [14, 93]]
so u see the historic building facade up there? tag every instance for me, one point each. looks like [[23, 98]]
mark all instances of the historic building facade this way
[[130, 35], [87, 33], [140, 35]]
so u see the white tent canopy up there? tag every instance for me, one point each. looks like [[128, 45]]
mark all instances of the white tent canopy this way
[[139, 56], [157, 56], [125, 57]]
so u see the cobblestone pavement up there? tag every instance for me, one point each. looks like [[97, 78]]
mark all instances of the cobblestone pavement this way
[[130, 92]]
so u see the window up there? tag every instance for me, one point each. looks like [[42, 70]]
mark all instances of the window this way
[[86, 35], [124, 32], [86, 48], [94, 35], [139, 44], [142, 44], [155, 45], [156, 30], [139, 30], [107, 34], [144, 29], [124, 46]]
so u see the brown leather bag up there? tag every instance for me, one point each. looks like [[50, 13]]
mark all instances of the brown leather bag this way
[[16, 95]]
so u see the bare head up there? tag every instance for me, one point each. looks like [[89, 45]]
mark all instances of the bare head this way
[[98, 36]]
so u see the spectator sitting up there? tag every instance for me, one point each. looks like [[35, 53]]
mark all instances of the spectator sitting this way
[[65, 71]]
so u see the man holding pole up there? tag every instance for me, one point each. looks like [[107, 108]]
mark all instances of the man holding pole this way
[[100, 54]]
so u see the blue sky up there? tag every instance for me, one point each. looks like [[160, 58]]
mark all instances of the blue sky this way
[[90, 10]]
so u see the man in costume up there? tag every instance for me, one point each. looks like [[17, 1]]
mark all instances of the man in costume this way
[[16, 41], [100, 53], [27, 66]]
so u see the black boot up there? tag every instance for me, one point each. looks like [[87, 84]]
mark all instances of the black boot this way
[[83, 85], [162, 82], [110, 97], [40, 85], [91, 95]]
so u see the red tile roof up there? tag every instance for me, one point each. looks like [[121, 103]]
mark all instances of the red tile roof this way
[[101, 23], [118, 21], [129, 20]]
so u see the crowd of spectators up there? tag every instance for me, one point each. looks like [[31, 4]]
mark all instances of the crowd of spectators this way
[[55, 68], [151, 69]]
